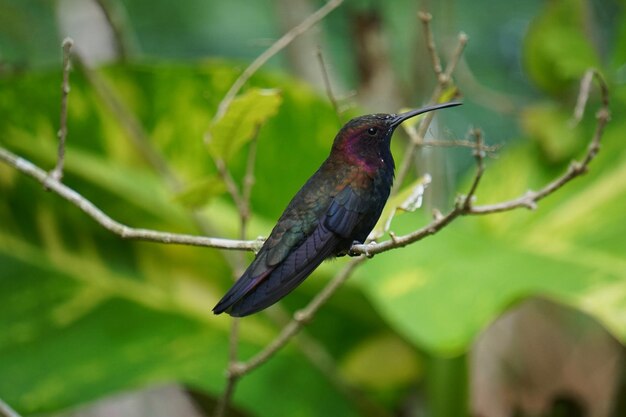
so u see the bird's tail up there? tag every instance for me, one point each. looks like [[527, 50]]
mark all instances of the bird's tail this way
[[254, 292]]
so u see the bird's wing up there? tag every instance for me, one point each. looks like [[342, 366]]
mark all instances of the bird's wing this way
[[345, 212], [264, 290], [256, 272], [295, 227], [291, 253]]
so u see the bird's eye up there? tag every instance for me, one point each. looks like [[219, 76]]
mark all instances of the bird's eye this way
[[372, 131]]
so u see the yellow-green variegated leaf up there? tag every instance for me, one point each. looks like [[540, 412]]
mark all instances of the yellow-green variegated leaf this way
[[85, 313], [441, 292], [245, 115]]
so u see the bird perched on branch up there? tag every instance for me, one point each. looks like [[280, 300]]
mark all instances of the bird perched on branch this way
[[338, 206]]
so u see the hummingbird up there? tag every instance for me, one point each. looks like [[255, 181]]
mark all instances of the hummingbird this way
[[337, 207]]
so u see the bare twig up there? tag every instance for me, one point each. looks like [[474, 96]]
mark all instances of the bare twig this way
[[242, 201], [479, 156], [6, 410], [426, 17], [583, 95], [460, 143], [232, 377], [229, 181], [443, 143], [301, 318], [119, 27], [528, 200], [143, 144], [443, 80], [576, 168], [280, 44], [248, 183], [327, 86], [57, 172], [28, 168]]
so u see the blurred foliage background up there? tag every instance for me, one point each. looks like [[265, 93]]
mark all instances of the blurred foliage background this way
[[515, 314]]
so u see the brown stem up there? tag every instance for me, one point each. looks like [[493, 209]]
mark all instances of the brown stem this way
[[327, 86], [57, 172]]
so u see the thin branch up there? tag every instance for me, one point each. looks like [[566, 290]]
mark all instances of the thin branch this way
[[583, 95], [443, 143], [242, 201], [280, 44], [327, 86], [528, 200], [443, 80], [479, 156], [231, 377], [576, 168], [248, 183], [57, 172], [7, 411], [300, 319], [461, 143], [425, 18], [229, 181], [142, 142], [119, 27], [28, 168]]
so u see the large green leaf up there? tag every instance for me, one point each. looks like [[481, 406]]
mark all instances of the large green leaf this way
[[442, 291], [84, 313], [557, 51], [244, 116]]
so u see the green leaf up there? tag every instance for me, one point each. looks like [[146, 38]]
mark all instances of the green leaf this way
[[382, 362], [84, 313], [552, 129], [557, 49], [441, 292], [200, 193], [247, 113]]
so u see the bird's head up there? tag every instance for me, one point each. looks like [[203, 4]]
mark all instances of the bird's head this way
[[368, 137]]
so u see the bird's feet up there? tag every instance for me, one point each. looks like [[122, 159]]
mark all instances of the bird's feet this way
[[352, 253], [348, 251]]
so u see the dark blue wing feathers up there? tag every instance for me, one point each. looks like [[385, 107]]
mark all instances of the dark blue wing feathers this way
[[245, 284], [289, 274], [274, 273], [344, 213]]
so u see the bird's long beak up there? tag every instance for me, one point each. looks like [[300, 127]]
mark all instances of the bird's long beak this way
[[399, 118]]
